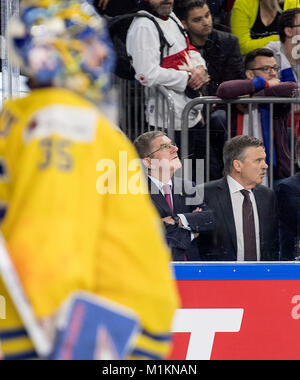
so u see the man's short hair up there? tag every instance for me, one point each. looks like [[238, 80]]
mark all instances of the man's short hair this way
[[250, 57], [143, 142], [234, 149], [286, 19], [188, 5]]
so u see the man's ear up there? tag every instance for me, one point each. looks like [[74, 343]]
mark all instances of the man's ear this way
[[288, 32], [184, 24], [237, 165], [147, 162], [250, 74]]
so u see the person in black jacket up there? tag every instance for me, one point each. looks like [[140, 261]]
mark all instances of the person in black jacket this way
[[223, 59], [219, 49], [244, 166], [187, 220]]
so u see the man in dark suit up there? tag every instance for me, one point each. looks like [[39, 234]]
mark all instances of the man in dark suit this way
[[288, 196], [186, 218], [246, 211]]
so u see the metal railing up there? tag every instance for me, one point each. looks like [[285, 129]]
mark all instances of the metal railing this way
[[132, 101], [10, 84], [210, 100]]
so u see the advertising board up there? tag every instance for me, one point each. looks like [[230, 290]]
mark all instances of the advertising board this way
[[237, 311]]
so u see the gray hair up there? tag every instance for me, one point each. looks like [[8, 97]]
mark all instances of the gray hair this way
[[234, 149], [143, 142]]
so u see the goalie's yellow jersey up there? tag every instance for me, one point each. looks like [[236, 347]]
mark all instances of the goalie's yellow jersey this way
[[71, 222]]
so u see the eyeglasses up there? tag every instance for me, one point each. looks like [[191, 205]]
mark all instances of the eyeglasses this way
[[163, 147], [294, 26], [267, 69]]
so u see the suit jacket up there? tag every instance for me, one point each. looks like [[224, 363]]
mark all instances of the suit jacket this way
[[179, 239], [288, 196], [222, 245]]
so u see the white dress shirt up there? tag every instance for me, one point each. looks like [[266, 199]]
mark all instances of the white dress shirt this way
[[237, 199]]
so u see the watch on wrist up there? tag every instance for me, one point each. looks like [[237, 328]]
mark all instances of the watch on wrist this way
[[176, 220]]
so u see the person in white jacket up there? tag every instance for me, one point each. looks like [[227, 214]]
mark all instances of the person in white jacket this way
[[182, 70], [182, 64]]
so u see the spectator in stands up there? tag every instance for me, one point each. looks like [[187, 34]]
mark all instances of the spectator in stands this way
[[246, 211], [256, 23], [262, 80], [288, 197], [223, 60], [182, 65], [216, 8], [62, 235], [186, 219], [219, 49], [182, 70]]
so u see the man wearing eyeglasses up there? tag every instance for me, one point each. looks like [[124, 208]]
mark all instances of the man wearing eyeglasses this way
[[262, 80], [186, 218]]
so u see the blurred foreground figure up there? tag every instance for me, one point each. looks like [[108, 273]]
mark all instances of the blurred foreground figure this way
[[64, 230]]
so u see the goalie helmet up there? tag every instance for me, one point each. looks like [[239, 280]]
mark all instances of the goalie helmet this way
[[62, 44]]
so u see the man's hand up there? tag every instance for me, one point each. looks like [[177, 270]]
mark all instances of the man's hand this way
[[169, 220], [274, 82], [199, 77], [197, 209], [297, 108], [103, 4]]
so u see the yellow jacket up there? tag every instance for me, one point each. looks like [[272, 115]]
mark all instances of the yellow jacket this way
[[243, 16], [65, 231]]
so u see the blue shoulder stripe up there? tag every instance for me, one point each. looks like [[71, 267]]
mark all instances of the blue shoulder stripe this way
[[25, 355], [13, 334], [145, 354], [159, 338]]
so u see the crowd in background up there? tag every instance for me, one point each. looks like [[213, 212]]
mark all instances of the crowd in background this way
[[246, 51], [62, 235], [241, 51]]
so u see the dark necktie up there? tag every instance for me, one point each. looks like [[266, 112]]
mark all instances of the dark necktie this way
[[167, 192], [250, 253]]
